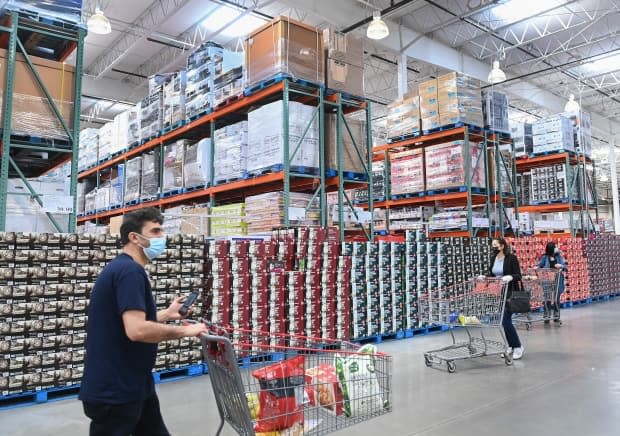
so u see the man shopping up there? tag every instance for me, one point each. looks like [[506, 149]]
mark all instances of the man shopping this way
[[123, 330]]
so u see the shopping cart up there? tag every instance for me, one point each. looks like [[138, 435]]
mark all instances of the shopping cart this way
[[543, 285], [477, 306], [291, 385]]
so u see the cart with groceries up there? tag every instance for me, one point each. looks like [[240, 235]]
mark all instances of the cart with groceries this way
[[543, 286], [473, 310], [277, 384]]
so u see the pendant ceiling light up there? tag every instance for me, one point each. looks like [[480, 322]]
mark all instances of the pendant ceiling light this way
[[98, 23], [496, 75], [377, 29], [571, 105]]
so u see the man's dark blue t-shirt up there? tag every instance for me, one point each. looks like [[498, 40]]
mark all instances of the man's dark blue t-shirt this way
[[117, 370]]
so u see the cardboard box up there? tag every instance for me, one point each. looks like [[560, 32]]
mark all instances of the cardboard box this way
[[344, 77], [284, 46], [350, 156], [115, 225], [32, 114]]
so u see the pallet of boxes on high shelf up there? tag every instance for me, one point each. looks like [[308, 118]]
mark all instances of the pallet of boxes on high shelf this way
[[344, 55], [231, 152]]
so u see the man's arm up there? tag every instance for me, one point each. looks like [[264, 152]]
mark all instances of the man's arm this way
[[172, 312], [138, 329]]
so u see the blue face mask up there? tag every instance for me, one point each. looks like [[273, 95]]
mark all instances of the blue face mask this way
[[156, 247]]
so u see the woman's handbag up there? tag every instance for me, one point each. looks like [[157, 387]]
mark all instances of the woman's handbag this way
[[519, 301]]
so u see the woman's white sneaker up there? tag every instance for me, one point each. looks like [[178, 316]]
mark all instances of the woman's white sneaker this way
[[517, 353]]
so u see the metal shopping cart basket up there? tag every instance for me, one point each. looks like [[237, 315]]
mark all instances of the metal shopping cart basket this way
[[543, 286], [273, 384], [478, 307]]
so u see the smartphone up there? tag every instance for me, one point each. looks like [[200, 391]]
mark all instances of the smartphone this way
[[191, 298]]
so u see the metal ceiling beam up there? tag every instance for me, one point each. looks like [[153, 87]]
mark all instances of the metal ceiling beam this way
[[152, 17]]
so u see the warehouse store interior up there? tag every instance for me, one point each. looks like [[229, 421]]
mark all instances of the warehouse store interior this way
[[393, 216]]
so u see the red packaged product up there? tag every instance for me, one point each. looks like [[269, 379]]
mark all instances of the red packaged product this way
[[323, 388]]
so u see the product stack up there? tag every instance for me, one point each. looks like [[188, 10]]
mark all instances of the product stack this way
[[149, 185], [108, 136], [354, 140], [410, 217], [601, 265], [117, 187], [495, 111], [407, 172], [458, 100], [552, 183], [284, 46], [344, 62], [231, 149], [266, 137], [128, 128], [151, 114], [203, 65], [553, 134], [429, 105], [457, 220], [403, 118], [582, 125], [359, 294], [523, 138], [133, 180], [378, 184], [504, 163], [197, 164], [265, 212], [174, 99], [179, 271], [229, 220], [45, 286], [446, 165], [89, 148], [230, 81], [174, 154]]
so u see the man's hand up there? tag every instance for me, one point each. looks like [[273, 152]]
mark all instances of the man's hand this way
[[194, 329], [172, 312]]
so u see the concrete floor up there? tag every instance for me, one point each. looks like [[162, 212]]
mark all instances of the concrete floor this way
[[568, 383]]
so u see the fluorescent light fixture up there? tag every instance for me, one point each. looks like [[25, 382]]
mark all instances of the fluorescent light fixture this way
[[496, 75], [98, 23], [223, 15], [377, 29], [571, 105], [517, 10], [603, 65]]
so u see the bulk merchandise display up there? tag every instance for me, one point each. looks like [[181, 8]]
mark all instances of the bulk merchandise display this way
[[403, 118], [354, 152], [601, 265], [495, 111], [458, 98], [149, 185], [89, 148], [265, 212], [173, 100], [407, 172], [504, 162], [552, 183], [151, 115], [203, 65], [127, 125], [231, 152], [229, 220], [429, 106], [174, 154], [197, 164], [523, 138], [378, 184], [410, 217], [344, 56], [446, 165], [133, 179], [266, 137], [553, 134]]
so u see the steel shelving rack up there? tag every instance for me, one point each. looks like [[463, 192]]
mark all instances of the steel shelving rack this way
[[288, 180], [59, 38]]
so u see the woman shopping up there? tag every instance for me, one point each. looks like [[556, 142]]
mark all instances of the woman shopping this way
[[552, 259], [504, 264]]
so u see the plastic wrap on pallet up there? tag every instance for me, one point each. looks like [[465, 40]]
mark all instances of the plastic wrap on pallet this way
[[505, 167], [102, 199], [457, 220], [552, 182], [378, 184], [228, 84], [458, 98], [33, 116], [429, 107], [265, 212], [229, 220], [107, 140], [553, 134], [151, 115], [231, 151], [266, 138], [344, 62], [284, 46], [445, 165], [69, 10], [403, 117], [197, 163], [150, 175], [203, 64], [354, 150], [90, 200], [133, 179], [495, 111], [523, 139], [128, 125], [582, 127], [173, 165], [407, 172], [117, 191], [174, 99], [89, 148]]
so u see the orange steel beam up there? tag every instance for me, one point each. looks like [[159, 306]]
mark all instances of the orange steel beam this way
[[420, 140], [548, 208]]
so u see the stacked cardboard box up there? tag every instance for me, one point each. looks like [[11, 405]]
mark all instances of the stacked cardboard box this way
[[231, 152], [174, 154], [429, 104], [266, 137], [179, 271], [203, 65], [378, 184], [554, 133], [553, 183], [406, 218], [151, 114], [344, 69], [446, 165], [173, 100], [503, 162], [108, 138], [458, 100], [229, 220], [523, 139], [454, 220], [89, 148], [495, 111], [149, 184], [354, 144], [197, 164], [407, 172], [128, 127], [265, 212], [117, 187], [403, 118], [230, 82], [133, 179], [284, 46]]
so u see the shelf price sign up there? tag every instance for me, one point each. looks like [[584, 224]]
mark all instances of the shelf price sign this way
[[58, 204]]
